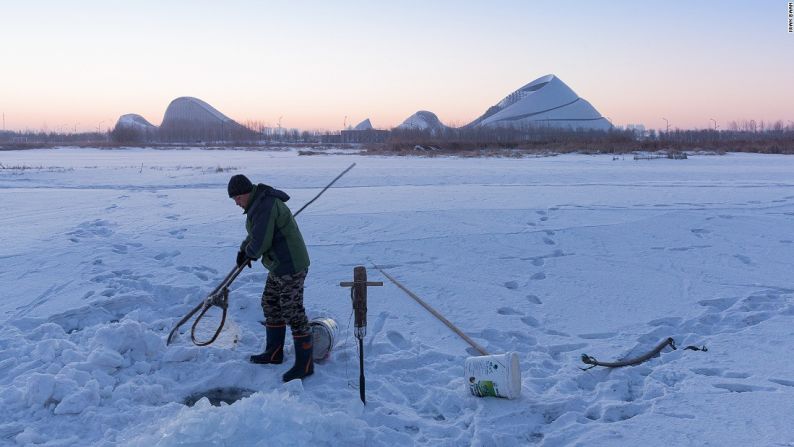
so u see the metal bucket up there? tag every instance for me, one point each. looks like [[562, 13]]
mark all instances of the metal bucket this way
[[493, 375], [324, 332]]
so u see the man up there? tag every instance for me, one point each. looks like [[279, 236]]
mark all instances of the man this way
[[274, 236]]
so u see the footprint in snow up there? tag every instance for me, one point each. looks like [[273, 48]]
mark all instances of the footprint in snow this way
[[617, 413], [548, 241], [167, 255], [557, 333], [179, 234], [534, 299], [718, 304], [784, 382], [538, 276], [530, 321], [398, 340], [598, 335], [508, 311], [744, 259], [512, 285], [741, 388]]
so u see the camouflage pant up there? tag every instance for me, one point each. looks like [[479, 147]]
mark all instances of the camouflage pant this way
[[282, 302]]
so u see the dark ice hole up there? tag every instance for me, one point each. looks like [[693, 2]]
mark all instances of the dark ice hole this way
[[218, 395]]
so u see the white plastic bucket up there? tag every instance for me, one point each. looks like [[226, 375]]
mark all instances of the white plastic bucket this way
[[493, 375], [324, 331]]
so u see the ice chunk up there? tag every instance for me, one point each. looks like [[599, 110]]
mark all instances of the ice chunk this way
[[76, 403], [105, 358], [40, 388]]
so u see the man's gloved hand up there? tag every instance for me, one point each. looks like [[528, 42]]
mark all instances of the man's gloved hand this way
[[242, 259]]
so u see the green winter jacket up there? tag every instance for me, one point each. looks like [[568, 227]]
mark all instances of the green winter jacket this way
[[273, 233]]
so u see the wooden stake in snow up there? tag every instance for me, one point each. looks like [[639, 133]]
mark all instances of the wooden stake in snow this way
[[358, 293]]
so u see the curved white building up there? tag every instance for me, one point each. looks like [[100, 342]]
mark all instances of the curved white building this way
[[544, 102], [189, 119], [192, 110], [133, 128], [135, 121], [364, 125], [423, 120]]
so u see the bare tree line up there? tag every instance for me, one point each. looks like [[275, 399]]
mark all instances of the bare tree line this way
[[740, 135]]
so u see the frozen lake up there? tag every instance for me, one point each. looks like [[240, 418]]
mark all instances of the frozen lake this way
[[102, 251]]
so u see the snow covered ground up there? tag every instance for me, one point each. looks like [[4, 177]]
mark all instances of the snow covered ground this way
[[101, 252]]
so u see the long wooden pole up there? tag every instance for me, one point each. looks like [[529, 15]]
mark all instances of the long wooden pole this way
[[435, 313]]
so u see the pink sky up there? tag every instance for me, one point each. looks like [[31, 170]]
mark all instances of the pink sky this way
[[318, 65]]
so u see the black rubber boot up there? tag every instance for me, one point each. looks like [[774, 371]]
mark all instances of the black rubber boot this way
[[274, 348], [304, 365]]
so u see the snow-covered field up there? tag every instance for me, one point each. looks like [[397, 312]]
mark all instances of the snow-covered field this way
[[101, 252]]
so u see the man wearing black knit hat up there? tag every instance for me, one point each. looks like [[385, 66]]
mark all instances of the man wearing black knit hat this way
[[274, 236]]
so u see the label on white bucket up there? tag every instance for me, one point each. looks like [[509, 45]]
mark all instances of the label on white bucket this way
[[493, 375], [324, 332]]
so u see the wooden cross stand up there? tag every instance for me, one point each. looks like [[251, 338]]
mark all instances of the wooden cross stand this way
[[358, 294]]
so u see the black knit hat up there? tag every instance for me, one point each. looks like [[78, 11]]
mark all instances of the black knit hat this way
[[239, 184]]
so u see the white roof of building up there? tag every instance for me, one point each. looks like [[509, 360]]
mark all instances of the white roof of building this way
[[364, 125], [134, 120], [546, 101], [422, 120]]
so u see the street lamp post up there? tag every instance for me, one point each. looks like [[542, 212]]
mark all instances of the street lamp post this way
[[668, 125], [715, 124]]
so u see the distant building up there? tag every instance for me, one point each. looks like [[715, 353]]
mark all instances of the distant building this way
[[330, 138], [544, 102], [364, 125], [191, 120], [364, 136], [133, 128], [362, 133], [423, 121]]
